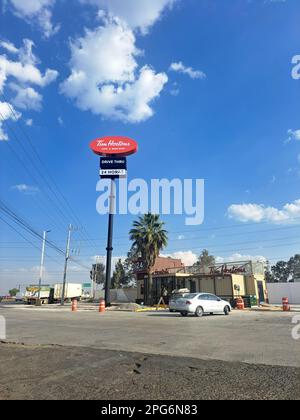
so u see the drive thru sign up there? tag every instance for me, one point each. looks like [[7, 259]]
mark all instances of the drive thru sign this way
[[113, 168], [113, 165]]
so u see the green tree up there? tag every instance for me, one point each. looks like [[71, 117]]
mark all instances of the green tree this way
[[98, 273], [119, 278], [269, 276], [283, 272], [205, 260], [280, 272], [132, 265], [13, 292], [294, 267], [149, 238]]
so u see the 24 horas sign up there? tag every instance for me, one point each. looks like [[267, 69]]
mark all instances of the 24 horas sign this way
[[114, 146]]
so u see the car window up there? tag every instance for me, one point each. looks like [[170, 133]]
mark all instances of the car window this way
[[203, 297], [191, 295]]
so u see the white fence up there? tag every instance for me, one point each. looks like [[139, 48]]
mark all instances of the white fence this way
[[120, 295], [277, 291]]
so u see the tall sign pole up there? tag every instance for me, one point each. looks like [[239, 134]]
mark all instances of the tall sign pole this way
[[113, 164], [109, 249]]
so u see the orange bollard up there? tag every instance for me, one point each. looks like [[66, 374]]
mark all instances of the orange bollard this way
[[286, 305], [240, 304], [102, 306], [74, 305]]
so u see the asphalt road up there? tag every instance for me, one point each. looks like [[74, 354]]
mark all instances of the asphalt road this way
[[263, 338], [50, 373], [120, 355]]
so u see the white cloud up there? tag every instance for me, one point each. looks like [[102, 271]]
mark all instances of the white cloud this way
[[37, 11], [298, 158], [60, 121], [25, 189], [7, 112], [239, 257], [174, 90], [187, 257], [9, 46], [293, 135], [101, 259], [29, 122], [26, 98], [24, 72], [290, 213], [111, 84], [181, 68], [140, 14]]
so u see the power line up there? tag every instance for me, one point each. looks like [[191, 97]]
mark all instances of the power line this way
[[45, 173], [191, 238], [29, 229]]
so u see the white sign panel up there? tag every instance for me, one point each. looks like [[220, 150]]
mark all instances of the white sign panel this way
[[113, 172]]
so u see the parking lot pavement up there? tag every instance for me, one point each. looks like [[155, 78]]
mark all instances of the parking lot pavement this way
[[38, 372], [249, 337]]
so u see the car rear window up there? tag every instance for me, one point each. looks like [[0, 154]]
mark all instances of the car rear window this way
[[190, 296]]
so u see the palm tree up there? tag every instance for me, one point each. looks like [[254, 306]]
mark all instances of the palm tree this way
[[149, 238]]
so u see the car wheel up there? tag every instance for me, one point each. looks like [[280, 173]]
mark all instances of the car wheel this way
[[226, 310], [199, 312], [171, 310], [184, 313]]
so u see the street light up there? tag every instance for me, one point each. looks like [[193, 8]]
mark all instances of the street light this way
[[42, 264]]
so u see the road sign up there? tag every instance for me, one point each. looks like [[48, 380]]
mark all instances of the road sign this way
[[114, 146], [113, 163], [87, 285]]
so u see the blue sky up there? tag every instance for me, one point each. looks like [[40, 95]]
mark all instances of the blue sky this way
[[227, 111]]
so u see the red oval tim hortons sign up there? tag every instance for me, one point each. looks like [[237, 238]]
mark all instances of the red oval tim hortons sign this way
[[114, 146]]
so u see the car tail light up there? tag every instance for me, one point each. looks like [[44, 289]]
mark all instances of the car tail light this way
[[188, 302]]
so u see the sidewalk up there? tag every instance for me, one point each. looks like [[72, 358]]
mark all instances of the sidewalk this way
[[275, 308]]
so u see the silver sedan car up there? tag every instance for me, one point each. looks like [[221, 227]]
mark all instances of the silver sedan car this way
[[173, 299], [199, 304]]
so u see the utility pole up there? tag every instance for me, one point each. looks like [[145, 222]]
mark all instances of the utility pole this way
[[42, 264], [109, 248], [66, 265], [94, 278]]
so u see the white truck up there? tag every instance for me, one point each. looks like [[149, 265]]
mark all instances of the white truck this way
[[53, 294], [72, 291]]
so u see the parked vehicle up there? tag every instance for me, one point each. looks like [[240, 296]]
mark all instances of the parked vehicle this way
[[72, 291], [53, 294], [19, 297], [173, 299], [32, 293], [199, 304]]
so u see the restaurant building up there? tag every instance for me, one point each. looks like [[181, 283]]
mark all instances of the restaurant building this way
[[227, 280]]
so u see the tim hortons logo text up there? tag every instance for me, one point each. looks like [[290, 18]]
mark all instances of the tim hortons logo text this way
[[113, 143]]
